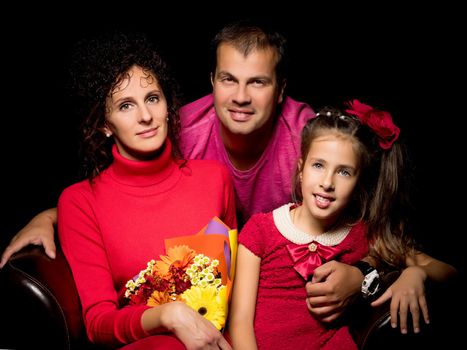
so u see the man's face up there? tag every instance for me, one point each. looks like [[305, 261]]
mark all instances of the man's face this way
[[245, 89]]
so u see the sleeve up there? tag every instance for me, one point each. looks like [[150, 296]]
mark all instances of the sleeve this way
[[230, 211], [86, 254], [253, 235]]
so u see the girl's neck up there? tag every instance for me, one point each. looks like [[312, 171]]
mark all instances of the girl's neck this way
[[303, 220]]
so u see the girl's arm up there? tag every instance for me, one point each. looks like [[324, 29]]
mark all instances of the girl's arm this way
[[38, 231], [245, 288], [407, 293]]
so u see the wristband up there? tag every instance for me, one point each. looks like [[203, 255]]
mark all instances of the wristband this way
[[371, 285]]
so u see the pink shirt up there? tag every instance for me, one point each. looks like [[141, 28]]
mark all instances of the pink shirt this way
[[268, 184]]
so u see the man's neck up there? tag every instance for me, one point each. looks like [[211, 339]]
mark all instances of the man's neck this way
[[244, 151]]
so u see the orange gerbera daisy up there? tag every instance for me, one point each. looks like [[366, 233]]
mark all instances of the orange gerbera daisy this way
[[159, 298], [180, 256]]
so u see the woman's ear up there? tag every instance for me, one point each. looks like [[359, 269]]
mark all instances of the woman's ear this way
[[211, 77], [107, 132]]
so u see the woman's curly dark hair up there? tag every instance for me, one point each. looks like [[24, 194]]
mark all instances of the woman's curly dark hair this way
[[98, 66]]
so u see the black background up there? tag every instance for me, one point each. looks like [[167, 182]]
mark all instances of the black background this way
[[405, 61]]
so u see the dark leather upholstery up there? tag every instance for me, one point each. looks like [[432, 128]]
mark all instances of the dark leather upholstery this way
[[39, 303], [40, 309]]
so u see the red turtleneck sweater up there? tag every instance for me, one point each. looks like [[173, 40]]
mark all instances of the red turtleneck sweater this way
[[111, 229]]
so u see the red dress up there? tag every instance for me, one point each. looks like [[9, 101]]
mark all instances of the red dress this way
[[282, 319]]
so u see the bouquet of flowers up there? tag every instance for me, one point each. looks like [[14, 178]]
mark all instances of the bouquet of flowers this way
[[197, 269]]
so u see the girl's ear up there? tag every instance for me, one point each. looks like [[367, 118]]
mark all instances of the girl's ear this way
[[211, 77], [300, 169]]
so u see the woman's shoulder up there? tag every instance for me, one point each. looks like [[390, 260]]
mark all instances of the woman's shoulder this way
[[77, 189]]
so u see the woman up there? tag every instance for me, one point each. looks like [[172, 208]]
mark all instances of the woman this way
[[138, 192]]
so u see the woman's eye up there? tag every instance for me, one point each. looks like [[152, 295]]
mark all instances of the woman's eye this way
[[153, 99], [124, 106]]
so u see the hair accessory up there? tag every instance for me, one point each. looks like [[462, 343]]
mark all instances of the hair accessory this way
[[379, 121]]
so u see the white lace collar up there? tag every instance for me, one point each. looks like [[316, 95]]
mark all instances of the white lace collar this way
[[284, 224]]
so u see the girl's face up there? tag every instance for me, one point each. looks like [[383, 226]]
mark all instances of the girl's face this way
[[137, 115], [328, 178]]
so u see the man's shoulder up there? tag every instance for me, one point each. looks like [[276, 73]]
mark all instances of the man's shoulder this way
[[197, 112], [293, 110]]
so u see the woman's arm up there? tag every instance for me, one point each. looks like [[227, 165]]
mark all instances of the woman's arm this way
[[39, 231], [243, 306], [193, 330]]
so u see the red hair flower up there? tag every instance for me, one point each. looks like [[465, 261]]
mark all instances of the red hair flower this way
[[379, 121]]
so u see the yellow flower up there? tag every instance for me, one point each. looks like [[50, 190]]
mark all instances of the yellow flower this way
[[209, 301]]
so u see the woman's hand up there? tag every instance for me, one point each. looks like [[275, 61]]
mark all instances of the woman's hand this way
[[192, 329], [407, 294]]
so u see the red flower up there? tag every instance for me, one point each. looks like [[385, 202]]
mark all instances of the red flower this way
[[379, 121]]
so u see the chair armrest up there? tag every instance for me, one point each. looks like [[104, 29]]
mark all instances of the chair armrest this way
[[42, 302]]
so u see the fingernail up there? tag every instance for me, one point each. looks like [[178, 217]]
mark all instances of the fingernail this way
[[416, 330], [393, 325], [404, 331]]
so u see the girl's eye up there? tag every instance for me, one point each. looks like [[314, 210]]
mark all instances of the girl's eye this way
[[317, 165], [345, 172]]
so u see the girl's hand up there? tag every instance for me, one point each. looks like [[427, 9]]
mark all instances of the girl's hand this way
[[407, 294]]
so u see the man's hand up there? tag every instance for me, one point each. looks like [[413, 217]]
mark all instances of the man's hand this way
[[333, 287], [39, 231]]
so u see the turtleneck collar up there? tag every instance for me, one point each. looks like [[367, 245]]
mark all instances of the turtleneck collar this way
[[143, 173]]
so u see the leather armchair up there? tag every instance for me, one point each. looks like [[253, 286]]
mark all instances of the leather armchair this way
[[40, 309]]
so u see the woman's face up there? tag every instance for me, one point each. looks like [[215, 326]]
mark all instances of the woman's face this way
[[137, 115]]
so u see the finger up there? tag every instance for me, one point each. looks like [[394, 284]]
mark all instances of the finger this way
[[319, 301], [224, 344], [383, 298], [331, 318], [394, 311], [403, 312], [9, 251], [424, 307], [320, 274], [415, 311], [326, 312], [49, 247]]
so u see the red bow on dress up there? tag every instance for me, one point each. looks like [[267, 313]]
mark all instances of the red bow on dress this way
[[307, 257]]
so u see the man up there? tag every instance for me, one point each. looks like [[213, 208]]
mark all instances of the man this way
[[247, 123]]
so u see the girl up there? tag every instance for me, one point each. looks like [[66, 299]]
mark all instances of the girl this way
[[138, 188], [348, 183]]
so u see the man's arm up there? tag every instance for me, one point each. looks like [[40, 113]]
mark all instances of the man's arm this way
[[38, 231], [334, 286]]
